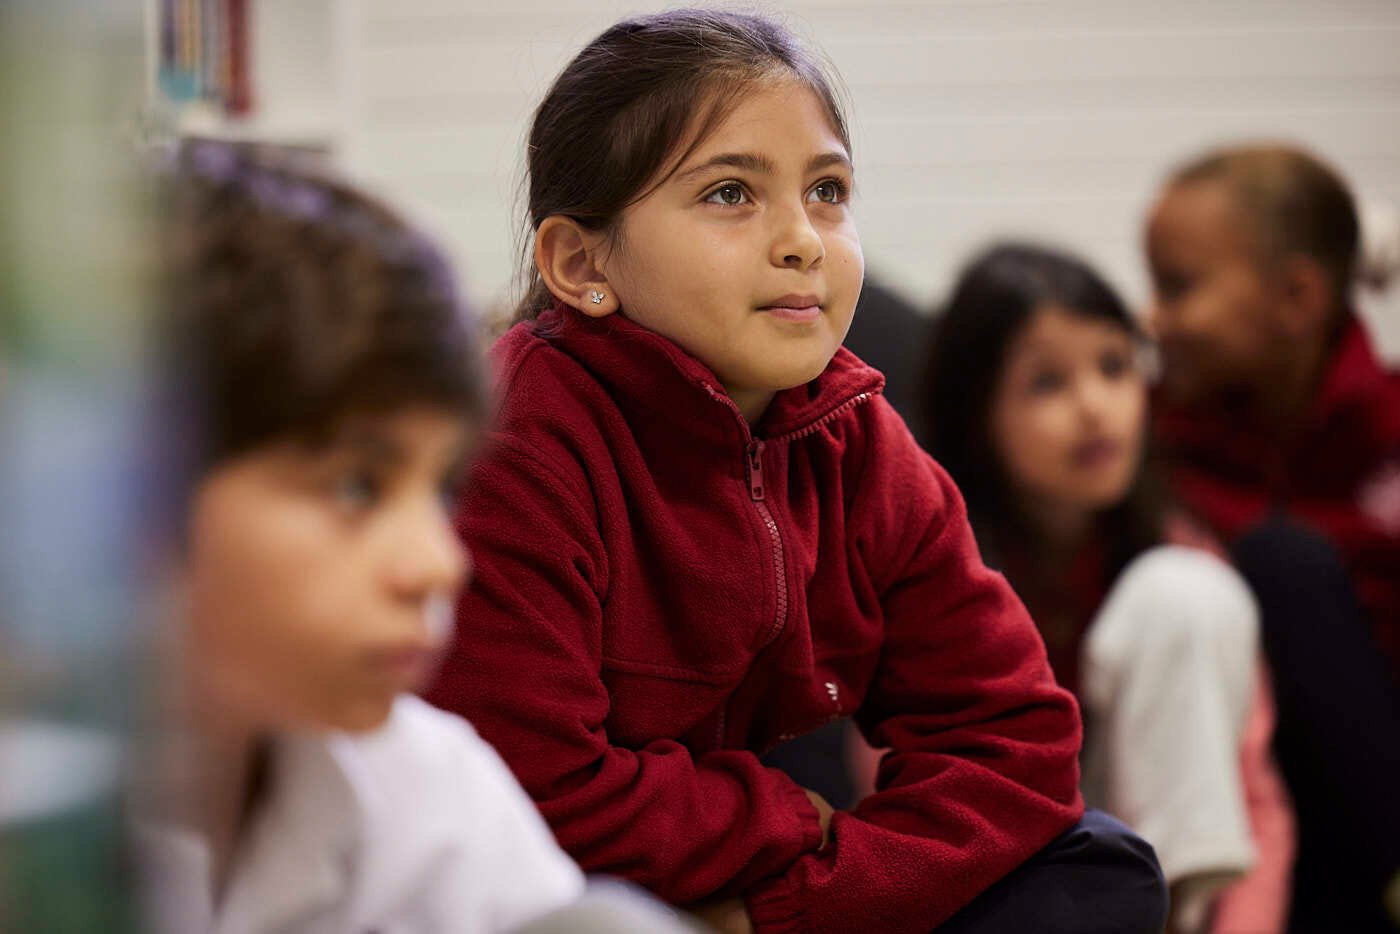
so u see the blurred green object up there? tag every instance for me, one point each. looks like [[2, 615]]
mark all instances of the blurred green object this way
[[56, 857], [62, 872], [73, 269]]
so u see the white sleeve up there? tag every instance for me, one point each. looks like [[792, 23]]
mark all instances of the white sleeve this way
[[518, 861], [1168, 675], [452, 843]]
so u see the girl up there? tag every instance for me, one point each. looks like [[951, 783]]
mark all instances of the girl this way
[[330, 368], [701, 529], [1036, 404], [1282, 429]]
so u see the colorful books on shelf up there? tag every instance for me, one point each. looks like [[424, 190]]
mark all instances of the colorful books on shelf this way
[[204, 53]]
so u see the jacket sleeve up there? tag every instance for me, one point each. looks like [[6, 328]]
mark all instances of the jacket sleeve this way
[[982, 770], [526, 669]]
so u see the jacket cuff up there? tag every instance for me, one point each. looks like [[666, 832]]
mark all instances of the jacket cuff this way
[[807, 814], [775, 904], [774, 907]]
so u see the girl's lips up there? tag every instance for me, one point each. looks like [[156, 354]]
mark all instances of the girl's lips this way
[[789, 313], [1096, 453], [794, 307]]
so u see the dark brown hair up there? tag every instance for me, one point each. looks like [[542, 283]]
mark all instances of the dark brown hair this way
[[1292, 201], [294, 300], [618, 113]]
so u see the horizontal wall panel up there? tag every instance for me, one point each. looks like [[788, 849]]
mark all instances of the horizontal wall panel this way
[[972, 119]]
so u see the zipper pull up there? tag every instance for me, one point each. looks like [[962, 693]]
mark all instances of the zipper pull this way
[[755, 457]]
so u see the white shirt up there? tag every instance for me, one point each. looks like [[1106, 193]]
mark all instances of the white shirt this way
[[416, 827]]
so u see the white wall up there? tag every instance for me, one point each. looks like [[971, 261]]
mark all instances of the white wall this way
[[972, 118]]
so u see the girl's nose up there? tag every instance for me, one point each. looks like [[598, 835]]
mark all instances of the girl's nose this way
[[796, 243], [1093, 396]]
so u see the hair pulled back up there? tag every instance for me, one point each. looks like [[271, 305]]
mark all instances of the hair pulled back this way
[[1291, 202], [617, 115]]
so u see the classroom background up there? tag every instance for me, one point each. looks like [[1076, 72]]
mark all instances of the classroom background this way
[[1050, 119], [974, 119]]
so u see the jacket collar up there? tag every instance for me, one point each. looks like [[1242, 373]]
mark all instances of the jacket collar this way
[[651, 377], [1354, 376]]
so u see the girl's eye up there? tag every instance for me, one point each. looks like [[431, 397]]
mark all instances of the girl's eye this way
[[730, 195], [1045, 383], [1171, 286], [1114, 365], [356, 490], [831, 191]]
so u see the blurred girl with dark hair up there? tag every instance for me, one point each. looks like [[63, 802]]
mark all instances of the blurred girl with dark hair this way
[[1036, 403]]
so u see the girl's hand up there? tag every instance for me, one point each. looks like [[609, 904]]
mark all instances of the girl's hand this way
[[727, 916], [824, 812]]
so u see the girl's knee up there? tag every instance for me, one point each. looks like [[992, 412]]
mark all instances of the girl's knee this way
[[1176, 603], [1285, 540], [1100, 838], [1284, 560], [1098, 877], [1190, 589], [1113, 875]]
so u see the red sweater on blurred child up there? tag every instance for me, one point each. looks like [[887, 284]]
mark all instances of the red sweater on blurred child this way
[[1339, 473], [662, 593]]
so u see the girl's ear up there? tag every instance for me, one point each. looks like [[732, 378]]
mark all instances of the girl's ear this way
[[1306, 290], [566, 254]]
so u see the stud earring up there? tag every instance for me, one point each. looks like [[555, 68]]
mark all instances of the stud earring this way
[[596, 297]]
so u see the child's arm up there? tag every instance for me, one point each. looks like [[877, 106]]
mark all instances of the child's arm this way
[[983, 767], [526, 669]]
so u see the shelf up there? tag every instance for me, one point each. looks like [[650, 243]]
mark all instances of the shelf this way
[[297, 62], [311, 131]]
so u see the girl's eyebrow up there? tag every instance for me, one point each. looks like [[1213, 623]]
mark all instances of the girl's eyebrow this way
[[748, 161], [828, 159], [753, 162]]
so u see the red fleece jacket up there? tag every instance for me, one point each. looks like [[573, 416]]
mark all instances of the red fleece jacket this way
[[662, 593], [1339, 472]]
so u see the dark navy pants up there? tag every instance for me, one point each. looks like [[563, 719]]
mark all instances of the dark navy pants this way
[[1338, 733], [1098, 877]]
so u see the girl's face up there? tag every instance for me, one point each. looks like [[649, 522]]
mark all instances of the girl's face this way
[[322, 579], [1068, 412], [1213, 310], [747, 255]]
